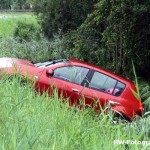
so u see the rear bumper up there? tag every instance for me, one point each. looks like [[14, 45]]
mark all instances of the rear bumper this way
[[128, 112]]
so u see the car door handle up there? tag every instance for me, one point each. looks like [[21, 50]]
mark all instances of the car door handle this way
[[75, 90]]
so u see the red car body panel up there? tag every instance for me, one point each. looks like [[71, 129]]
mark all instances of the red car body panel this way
[[125, 104]]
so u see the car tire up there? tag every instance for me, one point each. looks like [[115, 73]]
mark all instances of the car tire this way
[[119, 118]]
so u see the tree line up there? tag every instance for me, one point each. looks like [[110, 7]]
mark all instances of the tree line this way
[[15, 4], [108, 33]]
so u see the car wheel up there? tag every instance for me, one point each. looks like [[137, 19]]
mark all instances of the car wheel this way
[[119, 118]]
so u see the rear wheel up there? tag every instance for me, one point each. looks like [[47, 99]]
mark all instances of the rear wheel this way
[[116, 116], [120, 118]]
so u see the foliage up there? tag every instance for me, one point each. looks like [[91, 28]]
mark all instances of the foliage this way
[[42, 49], [111, 32], [15, 4], [27, 31], [145, 94], [112, 40], [136, 93], [61, 15], [5, 4], [32, 50], [8, 22]]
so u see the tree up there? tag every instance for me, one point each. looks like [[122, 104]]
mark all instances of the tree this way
[[5, 4], [22, 4], [111, 32], [61, 15], [114, 34], [17, 4]]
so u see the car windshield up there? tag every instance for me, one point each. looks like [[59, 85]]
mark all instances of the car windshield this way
[[50, 62]]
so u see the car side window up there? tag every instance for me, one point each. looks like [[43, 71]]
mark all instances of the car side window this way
[[102, 82], [73, 74], [106, 84]]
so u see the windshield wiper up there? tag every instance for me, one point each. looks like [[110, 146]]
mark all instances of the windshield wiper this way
[[54, 61]]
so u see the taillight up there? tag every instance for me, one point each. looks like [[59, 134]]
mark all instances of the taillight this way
[[140, 110]]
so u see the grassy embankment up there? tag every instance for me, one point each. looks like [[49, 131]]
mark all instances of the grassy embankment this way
[[8, 22], [32, 121]]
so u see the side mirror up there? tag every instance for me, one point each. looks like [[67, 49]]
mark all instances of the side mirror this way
[[50, 72]]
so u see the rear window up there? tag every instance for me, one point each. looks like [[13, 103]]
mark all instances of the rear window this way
[[119, 88], [106, 84]]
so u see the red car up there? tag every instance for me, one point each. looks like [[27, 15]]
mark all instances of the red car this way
[[79, 81]]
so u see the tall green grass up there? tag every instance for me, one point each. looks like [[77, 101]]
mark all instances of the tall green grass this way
[[32, 121]]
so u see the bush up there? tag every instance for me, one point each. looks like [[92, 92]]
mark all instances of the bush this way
[[27, 31], [34, 50]]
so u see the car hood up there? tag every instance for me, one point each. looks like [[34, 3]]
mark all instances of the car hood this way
[[9, 62]]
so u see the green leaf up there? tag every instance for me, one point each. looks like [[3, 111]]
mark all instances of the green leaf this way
[[136, 94]]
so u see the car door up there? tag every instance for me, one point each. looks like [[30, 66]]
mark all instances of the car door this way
[[100, 90], [68, 81]]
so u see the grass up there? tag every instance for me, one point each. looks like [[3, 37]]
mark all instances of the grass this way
[[8, 22], [32, 121]]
